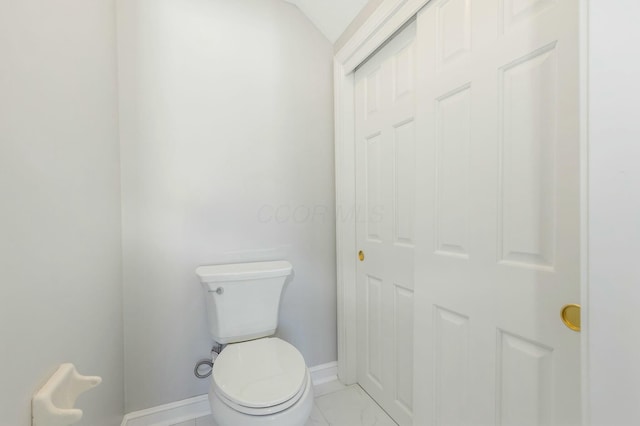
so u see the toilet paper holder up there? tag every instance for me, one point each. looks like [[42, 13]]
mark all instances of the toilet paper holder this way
[[53, 404]]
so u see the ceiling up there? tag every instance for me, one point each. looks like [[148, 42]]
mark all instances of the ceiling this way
[[330, 16]]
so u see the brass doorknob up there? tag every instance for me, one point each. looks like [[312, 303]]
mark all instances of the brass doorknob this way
[[570, 315], [361, 255]]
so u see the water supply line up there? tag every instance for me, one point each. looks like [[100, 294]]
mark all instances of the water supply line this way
[[215, 351], [199, 364]]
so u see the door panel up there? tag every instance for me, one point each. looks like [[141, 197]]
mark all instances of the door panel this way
[[452, 367], [497, 213], [524, 394], [452, 166], [404, 183], [527, 142], [385, 188]]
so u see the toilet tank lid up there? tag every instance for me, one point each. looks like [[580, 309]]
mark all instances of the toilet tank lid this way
[[243, 271]]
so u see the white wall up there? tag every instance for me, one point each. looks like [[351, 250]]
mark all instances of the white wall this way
[[614, 209], [226, 114], [330, 16], [60, 269]]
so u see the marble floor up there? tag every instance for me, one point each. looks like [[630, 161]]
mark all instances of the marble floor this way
[[334, 405]]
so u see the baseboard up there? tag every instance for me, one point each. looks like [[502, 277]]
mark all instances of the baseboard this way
[[170, 414], [193, 408], [324, 373]]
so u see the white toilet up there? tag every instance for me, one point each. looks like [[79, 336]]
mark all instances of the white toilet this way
[[256, 379]]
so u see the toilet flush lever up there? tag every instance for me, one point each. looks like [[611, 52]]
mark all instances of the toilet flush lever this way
[[218, 290]]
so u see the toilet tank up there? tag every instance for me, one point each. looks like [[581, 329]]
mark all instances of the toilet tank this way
[[243, 298]]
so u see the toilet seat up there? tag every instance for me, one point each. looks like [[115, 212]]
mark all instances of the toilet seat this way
[[260, 377], [267, 410]]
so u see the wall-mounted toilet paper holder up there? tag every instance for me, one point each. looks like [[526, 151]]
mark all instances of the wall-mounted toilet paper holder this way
[[53, 404]]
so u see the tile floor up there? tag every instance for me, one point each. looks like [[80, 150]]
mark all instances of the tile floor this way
[[334, 405]]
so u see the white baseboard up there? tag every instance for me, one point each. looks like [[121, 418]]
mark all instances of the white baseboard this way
[[324, 373], [170, 414], [193, 408]]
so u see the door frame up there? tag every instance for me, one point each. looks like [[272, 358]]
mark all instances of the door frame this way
[[388, 18]]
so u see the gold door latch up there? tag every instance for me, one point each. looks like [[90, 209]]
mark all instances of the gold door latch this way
[[570, 315], [361, 255]]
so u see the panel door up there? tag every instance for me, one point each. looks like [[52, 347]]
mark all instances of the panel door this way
[[497, 235], [385, 191]]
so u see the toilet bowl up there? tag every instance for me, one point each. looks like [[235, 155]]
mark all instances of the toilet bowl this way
[[256, 379], [261, 382]]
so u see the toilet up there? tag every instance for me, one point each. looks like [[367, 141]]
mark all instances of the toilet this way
[[257, 379]]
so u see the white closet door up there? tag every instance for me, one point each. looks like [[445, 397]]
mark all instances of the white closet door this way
[[385, 188], [497, 232]]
